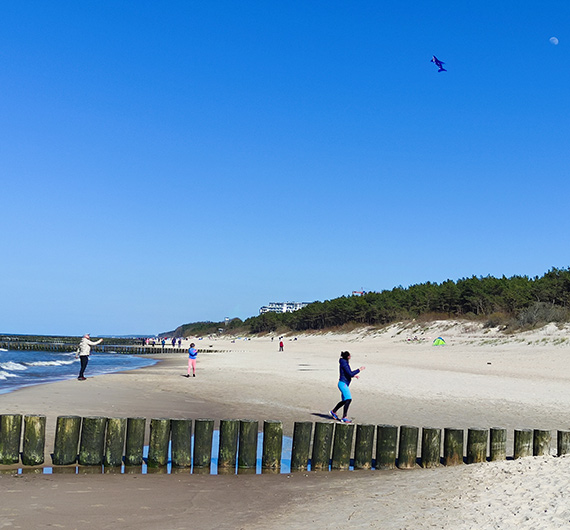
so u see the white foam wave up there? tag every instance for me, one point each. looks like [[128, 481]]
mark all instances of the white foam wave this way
[[49, 363], [11, 365], [4, 375]]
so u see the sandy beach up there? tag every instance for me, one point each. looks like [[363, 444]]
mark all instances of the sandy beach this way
[[479, 379]]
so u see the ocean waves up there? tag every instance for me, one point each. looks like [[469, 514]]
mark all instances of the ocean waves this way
[[25, 368]]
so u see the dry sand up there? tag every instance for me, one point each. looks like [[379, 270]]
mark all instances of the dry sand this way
[[479, 379]]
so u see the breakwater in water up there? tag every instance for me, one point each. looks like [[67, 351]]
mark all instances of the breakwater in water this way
[[99, 443]]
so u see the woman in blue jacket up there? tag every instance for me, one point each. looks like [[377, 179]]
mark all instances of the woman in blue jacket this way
[[346, 374]]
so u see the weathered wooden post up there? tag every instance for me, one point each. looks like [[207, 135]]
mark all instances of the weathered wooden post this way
[[181, 436], [92, 444], [523, 443], [135, 441], [10, 434], [477, 445], [302, 431], [386, 446], [342, 446], [272, 445], [227, 455], [431, 447], [158, 443], [363, 446], [67, 431], [34, 440], [453, 446], [203, 435], [563, 443], [498, 444], [247, 450], [408, 451], [322, 443], [541, 442], [115, 441]]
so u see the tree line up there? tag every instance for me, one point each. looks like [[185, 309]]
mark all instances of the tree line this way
[[515, 302]]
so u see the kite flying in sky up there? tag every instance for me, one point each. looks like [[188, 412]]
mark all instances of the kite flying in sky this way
[[438, 63]]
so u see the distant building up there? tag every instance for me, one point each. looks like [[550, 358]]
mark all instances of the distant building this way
[[282, 307]]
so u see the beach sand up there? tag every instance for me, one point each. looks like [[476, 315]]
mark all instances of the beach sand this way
[[479, 379]]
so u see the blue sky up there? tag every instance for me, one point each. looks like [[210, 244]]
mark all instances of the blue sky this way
[[169, 162]]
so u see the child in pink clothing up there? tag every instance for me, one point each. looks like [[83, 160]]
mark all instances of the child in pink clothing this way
[[192, 354]]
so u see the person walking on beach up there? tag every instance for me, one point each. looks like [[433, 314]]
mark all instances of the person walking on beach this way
[[83, 353], [346, 374], [280, 345], [192, 354]]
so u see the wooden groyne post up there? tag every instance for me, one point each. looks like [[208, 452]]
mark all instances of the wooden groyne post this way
[[181, 439], [541, 442], [272, 445], [302, 431], [453, 446], [563, 442], [10, 434], [498, 444], [477, 445], [364, 446], [523, 443], [342, 446], [227, 453], [34, 440], [431, 447], [92, 444], [247, 450], [67, 432], [408, 450], [115, 441], [158, 443], [386, 446], [134, 444], [203, 435], [322, 444]]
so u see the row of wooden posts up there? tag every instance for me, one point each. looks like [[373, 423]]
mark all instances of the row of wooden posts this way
[[96, 441]]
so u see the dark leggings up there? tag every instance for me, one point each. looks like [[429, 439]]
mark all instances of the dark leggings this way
[[84, 360], [345, 403]]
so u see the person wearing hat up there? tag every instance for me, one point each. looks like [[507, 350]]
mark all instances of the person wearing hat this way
[[83, 353]]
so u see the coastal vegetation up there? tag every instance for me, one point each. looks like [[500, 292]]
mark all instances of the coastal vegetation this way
[[514, 303]]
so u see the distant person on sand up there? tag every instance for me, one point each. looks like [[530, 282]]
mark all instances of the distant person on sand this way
[[346, 374], [192, 354], [280, 345], [83, 353]]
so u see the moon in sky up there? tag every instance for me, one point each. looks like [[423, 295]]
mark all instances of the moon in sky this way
[[553, 40]]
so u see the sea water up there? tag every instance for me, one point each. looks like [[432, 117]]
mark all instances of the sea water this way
[[25, 368]]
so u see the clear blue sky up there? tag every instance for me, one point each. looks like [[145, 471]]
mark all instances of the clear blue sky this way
[[169, 162]]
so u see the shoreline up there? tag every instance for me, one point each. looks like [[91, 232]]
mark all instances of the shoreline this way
[[55, 378]]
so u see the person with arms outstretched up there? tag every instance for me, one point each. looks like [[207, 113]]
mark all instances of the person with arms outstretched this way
[[346, 375], [83, 353]]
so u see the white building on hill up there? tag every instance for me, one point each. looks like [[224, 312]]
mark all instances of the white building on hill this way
[[283, 307]]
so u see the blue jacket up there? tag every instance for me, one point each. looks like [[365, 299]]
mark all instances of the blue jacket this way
[[192, 353], [346, 374]]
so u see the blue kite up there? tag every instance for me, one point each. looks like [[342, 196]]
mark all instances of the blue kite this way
[[438, 63]]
